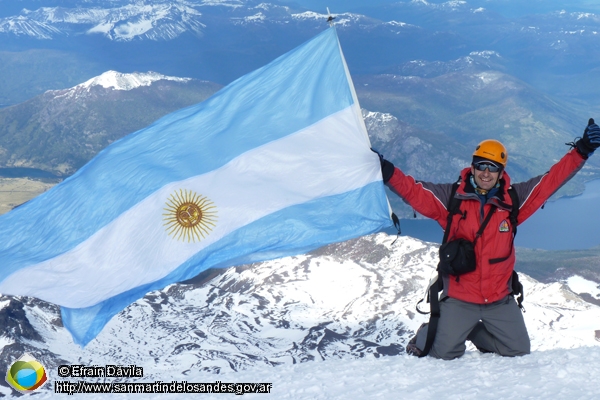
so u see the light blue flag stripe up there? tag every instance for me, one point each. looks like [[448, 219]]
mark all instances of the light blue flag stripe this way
[[137, 165], [350, 214]]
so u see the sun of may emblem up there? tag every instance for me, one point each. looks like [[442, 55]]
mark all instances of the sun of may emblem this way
[[189, 217]]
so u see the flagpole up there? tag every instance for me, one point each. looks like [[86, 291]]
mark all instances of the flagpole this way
[[358, 113]]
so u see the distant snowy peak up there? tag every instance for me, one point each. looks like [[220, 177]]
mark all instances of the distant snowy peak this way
[[452, 4], [476, 61], [485, 54], [120, 81], [381, 126], [113, 80], [158, 21], [578, 15], [155, 22], [24, 26], [222, 3]]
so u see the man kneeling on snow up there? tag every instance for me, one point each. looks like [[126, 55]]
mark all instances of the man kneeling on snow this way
[[476, 303]]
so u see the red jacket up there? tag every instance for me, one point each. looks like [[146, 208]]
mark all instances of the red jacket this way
[[489, 282]]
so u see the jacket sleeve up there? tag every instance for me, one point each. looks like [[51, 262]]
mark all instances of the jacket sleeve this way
[[534, 192], [428, 199]]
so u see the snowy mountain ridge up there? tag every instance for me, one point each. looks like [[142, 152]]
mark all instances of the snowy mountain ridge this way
[[126, 81], [157, 20], [349, 301], [165, 20], [114, 80]]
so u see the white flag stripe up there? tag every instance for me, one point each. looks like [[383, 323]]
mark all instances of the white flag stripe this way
[[332, 159]]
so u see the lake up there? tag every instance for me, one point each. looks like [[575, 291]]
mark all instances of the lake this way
[[564, 224]]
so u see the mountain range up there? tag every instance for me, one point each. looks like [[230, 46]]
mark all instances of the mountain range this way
[[55, 44], [349, 300], [442, 75], [426, 119]]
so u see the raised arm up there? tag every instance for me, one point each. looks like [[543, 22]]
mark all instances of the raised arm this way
[[534, 192]]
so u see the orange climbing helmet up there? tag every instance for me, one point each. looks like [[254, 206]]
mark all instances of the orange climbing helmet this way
[[492, 150]]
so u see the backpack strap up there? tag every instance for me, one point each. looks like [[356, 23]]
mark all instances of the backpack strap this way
[[437, 286], [434, 317], [484, 224], [453, 208], [514, 215], [517, 287]]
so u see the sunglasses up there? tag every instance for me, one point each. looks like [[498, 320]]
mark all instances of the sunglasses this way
[[482, 166]]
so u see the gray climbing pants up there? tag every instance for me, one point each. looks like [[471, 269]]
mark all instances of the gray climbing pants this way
[[495, 328]]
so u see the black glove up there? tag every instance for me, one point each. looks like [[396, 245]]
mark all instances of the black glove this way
[[590, 140], [387, 168]]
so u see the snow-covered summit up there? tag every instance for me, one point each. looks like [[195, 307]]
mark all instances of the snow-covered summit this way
[[124, 81], [485, 54], [114, 80]]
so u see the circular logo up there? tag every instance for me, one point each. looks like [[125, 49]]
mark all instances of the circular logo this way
[[189, 216], [26, 374]]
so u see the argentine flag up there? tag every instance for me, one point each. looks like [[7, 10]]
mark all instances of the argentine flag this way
[[276, 163]]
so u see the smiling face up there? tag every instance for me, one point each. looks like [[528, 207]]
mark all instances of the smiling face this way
[[485, 179]]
